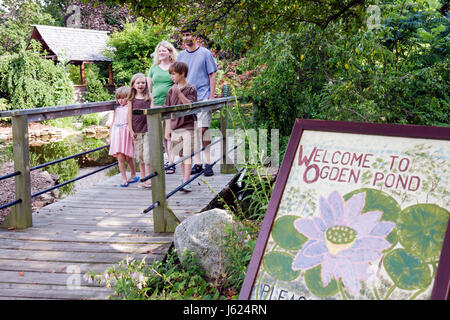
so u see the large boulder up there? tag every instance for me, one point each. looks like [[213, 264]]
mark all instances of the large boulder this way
[[203, 234]]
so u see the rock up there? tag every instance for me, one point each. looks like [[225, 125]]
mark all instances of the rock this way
[[96, 131], [89, 131], [203, 234], [55, 177], [47, 177], [40, 180]]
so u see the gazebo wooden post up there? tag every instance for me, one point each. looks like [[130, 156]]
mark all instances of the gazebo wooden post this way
[[110, 73], [83, 77]]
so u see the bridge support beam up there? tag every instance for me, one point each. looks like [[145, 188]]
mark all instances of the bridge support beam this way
[[227, 166], [20, 216], [164, 220]]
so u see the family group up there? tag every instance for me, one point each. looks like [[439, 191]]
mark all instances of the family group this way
[[173, 79]]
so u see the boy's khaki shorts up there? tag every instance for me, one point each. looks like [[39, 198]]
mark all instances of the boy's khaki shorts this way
[[141, 147], [182, 143], [166, 126]]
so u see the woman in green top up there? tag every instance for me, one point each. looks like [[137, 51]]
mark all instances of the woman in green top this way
[[159, 83]]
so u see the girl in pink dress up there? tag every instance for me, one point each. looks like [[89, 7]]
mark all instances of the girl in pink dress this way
[[121, 142]]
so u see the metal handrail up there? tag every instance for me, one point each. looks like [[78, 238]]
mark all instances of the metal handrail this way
[[73, 180], [157, 203], [9, 175], [9, 204], [67, 158], [154, 174], [20, 118]]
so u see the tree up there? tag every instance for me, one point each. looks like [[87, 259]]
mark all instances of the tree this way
[[101, 16], [132, 48], [16, 17], [247, 20], [28, 81], [397, 73]]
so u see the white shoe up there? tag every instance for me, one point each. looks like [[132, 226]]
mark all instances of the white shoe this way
[[187, 188]]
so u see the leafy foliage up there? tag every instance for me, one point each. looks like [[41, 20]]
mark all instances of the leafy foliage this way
[[28, 81], [238, 248], [395, 74], [132, 49], [16, 18], [96, 90], [162, 280], [246, 20]]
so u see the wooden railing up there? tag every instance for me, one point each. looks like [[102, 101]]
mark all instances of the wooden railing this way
[[20, 216]]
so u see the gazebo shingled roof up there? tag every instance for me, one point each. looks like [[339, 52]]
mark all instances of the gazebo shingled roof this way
[[73, 43], [79, 46]]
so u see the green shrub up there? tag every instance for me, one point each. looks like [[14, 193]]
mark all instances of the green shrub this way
[[4, 106], [28, 81], [398, 73], [238, 248], [132, 49], [161, 280], [95, 85], [96, 91], [91, 119]]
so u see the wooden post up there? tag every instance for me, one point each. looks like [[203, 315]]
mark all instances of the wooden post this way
[[82, 74], [227, 165], [20, 216], [164, 220], [110, 75]]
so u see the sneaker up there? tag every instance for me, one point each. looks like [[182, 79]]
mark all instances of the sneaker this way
[[209, 172], [196, 168], [187, 188]]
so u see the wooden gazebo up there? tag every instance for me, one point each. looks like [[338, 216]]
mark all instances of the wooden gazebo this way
[[78, 46]]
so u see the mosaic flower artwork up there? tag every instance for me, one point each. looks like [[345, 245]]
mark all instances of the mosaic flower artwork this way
[[342, 240]]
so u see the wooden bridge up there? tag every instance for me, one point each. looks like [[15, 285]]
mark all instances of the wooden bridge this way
[[45, 254], [91, 231]]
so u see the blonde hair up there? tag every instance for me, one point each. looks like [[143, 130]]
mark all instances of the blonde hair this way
[[132, 95], [122, 93], [168, 46]]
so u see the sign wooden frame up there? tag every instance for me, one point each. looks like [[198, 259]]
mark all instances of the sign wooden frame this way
[[441, 284]]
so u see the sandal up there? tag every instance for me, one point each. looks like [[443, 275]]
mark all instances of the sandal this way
[[171, 170], [143, 185], [124, 185], [135, 179]]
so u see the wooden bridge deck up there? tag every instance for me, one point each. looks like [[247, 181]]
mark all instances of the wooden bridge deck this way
[[91, 231]]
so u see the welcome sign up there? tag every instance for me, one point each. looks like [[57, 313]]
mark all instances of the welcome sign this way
[[359, 211]]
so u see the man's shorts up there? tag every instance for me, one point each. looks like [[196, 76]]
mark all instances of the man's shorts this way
[[182, 143], [204, 119], [141, 147]]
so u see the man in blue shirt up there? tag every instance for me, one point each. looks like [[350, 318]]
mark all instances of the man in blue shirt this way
[[202, 74]]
